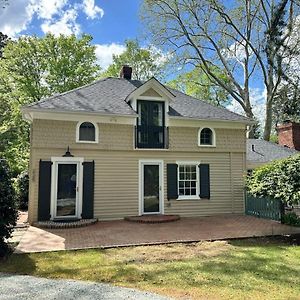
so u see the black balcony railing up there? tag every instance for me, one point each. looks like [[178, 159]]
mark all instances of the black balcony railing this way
[[151, 137]]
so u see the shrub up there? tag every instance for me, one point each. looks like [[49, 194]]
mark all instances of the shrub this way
[[291, 219], [22, 188], [8, 211], [279, 180]]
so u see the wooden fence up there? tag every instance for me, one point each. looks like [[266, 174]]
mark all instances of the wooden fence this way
[[264, 207]]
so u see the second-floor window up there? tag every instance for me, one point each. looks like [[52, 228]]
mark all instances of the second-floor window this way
[[151, 124], [87, 132]]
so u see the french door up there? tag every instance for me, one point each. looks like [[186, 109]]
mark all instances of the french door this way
[[151, 188], [66, 200]]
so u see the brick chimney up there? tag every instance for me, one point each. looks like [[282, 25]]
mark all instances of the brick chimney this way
[[289, 135], [126, 72]]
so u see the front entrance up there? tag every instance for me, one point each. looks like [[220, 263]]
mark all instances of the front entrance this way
[[151, 187], [66, 199]]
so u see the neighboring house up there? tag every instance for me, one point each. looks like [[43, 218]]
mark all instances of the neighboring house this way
[[260, 152], [120, 147]]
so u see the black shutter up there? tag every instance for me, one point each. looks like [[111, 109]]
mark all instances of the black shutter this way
[[204, 181], [172, 181], [88, 190], [44, 197]]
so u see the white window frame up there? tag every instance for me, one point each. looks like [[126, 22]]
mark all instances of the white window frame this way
[[213, 137], [189, 197], [96, 133], [79, 185]]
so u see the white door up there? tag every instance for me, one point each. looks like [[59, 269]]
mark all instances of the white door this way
[[66, 190], [151, 188]]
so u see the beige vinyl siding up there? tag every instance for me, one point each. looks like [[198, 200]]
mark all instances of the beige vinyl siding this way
[[117, 170], [57, 134]]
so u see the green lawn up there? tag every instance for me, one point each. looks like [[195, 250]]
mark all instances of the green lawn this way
[[254, 268]]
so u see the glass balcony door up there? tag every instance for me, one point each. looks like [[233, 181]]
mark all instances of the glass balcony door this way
[[151, 124]]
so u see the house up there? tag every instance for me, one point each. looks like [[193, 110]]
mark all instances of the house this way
[[260, 152], [119, 147]]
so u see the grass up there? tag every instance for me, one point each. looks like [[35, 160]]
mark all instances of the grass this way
[[242, 269]]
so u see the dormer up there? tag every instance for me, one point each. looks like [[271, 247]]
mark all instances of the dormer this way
[[151, 102]]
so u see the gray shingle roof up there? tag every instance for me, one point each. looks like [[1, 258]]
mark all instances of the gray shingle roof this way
[[265, 151], [107, 96]]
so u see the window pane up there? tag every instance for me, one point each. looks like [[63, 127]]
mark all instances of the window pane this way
[[206, 136], [87, 132], [193, 192]]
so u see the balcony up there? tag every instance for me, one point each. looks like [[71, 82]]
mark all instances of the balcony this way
[[151, 137]]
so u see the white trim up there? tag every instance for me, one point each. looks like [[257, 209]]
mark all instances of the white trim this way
[[65, 115], [213, 145], [189, 197], [151, 83], [79, 185], [242, 123], [142, 163], [96, 141]]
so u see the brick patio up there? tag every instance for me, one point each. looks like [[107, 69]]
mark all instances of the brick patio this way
[[124, 233]]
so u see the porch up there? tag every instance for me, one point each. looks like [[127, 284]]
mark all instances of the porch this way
[[123, 233]]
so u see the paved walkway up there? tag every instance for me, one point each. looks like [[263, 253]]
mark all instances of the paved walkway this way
[[124, 233], [33, 288], [20, 228]]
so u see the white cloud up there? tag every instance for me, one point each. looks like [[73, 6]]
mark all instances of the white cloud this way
[[15, 17], [91, 10], [56, 16], [46, 9], [258, 101], [65, 25], [105, 52]]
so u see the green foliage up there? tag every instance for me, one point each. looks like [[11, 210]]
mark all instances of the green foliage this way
[[22, 189], [198, 84], [8, 212], [279, 180], [274, 138], [33, 68], [291, 219], [3, 42], [145, 63]]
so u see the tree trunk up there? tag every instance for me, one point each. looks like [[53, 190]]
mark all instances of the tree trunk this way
[[250, 115], [269, 117]]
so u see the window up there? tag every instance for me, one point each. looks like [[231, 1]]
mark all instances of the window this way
[[87, 132], [206, 137], [188, 182]]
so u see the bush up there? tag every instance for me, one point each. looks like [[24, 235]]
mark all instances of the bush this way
[[8, 211], [279, 180], [22, 189], [291, 219]]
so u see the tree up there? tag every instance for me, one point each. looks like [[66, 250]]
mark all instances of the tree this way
[[145, 62], [286, 102], [8, 212], [3, 42], [244, 38], [34, 68], [197, 83]]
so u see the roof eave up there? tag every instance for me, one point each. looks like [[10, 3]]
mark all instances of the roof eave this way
[[246, 122], [28, 110]]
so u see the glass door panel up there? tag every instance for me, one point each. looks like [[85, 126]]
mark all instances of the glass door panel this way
[[151, 189], [66, 190]]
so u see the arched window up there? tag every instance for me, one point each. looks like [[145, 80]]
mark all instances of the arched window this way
[[206, 137], [87, 132]]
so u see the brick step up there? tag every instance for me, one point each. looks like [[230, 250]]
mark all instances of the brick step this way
[[152, 219]]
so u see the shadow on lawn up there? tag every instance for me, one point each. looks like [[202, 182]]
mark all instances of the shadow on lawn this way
[[18, 263]]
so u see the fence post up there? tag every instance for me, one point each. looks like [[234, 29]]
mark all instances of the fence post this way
[[282, 210]]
